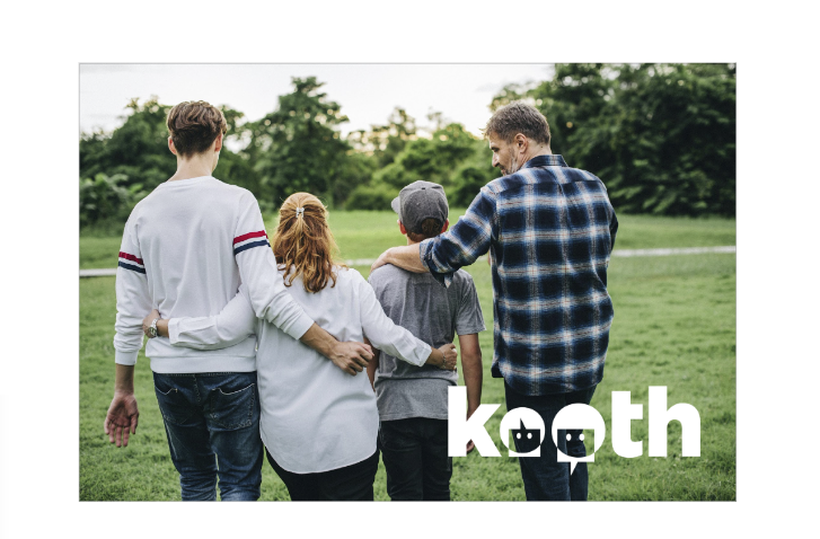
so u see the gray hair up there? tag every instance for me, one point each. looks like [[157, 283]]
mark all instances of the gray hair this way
[[518, 117]]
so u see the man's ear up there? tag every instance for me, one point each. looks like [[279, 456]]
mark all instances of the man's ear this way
[[446, 226], [401, 228], [171, 146], [218, 142], [521, 143]]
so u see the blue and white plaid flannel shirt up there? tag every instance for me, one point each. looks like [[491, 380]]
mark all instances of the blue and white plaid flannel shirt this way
[[549, 230]]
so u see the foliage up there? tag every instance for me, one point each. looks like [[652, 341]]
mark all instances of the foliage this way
[[138, 149], [662, 137], [105, 197], [452, 157], [376, 196], [385, 142], [296, 147], [675, 137]]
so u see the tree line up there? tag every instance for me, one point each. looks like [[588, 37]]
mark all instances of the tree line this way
[[660, 136]]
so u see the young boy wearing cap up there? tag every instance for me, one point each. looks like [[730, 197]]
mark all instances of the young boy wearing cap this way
[[412, 401]]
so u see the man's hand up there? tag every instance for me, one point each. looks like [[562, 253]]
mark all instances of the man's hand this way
[[406, 257], [381, 261], [122, 418], [351, 357], [146, 322]]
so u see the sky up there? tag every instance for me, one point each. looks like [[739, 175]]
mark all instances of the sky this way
[[367, 92]]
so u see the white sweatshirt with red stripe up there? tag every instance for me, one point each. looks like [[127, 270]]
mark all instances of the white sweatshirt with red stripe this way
[[185, 249]]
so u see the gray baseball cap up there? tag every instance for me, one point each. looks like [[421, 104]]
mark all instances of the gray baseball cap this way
[[419, 201]]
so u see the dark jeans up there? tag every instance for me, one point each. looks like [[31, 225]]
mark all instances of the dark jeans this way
[[212, 424], [414, 452], [544, 477], [349, 483]]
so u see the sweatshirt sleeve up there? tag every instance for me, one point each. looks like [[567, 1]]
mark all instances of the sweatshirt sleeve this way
[[267, 293], [234, 323], [133, 298], [384, 334]]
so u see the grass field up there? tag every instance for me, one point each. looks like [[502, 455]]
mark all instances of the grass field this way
[[674, 327]]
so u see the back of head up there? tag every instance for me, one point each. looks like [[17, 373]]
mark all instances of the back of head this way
[[194, 125], [422, 208], [303, 244], [518, 117], [430, 228]]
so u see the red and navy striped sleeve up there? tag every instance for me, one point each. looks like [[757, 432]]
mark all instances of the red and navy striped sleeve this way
[[131, 262], [249, 241]]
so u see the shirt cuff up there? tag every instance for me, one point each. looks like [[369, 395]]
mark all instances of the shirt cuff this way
[[298, 328], [173, 330], [126, 358]]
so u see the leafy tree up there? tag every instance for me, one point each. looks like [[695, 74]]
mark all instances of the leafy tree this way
[[106, 197], [137, 150], [452, 157], [662, 137], [385, 142], [376, 196], [434, 159], [297, 147], [675, 142]]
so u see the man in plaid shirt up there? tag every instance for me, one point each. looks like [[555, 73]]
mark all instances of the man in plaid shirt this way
[[549, 230]]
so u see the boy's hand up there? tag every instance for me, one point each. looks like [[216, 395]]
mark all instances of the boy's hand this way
[[122, 418]]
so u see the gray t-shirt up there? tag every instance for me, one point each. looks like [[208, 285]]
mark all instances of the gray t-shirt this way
[[434, 314]]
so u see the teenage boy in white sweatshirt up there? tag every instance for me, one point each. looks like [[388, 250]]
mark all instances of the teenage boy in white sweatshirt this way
[[185, 249]]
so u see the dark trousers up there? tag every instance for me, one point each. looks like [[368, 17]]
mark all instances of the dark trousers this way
[[349, 483], [544, 477], [414, 452]]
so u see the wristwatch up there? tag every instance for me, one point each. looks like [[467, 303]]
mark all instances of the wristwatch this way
[[152, 331]]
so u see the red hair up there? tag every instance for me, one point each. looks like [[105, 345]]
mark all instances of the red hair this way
[[303, 244]]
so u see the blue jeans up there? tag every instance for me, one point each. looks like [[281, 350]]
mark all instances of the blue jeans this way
[[212, 424], [414, 452], [544, 477]]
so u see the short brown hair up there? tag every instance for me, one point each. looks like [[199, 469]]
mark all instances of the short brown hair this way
[[194, 125], [518, 117], [303, 244], [430, 228]]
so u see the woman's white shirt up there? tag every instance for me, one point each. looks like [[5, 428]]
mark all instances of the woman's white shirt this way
[[314, 416]]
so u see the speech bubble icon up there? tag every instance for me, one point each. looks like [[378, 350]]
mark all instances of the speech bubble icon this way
[[527, 429], [578, 417]]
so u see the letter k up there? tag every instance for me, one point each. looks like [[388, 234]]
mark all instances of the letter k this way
[[461, 430]]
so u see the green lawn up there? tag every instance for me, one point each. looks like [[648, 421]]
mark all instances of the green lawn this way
[[674, 326]]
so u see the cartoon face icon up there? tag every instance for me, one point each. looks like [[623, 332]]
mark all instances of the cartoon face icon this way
[[526, 440], [576, 437], [527, 430], [576, 423]]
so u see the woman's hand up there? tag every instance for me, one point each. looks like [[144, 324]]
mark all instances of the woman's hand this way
[[450, 357]]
